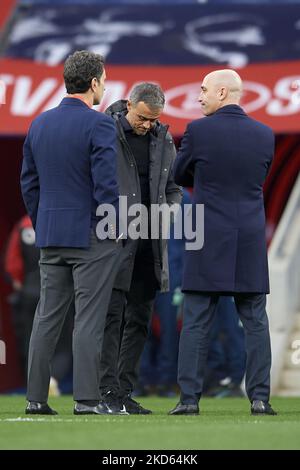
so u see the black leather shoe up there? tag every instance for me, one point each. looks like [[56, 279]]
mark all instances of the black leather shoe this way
[[100, 409], [134, 408], [113, 403], [260, 407], [181, 409], [37, 408]]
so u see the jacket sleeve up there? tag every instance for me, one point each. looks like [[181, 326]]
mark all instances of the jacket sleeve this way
[[173, 191], [184, 164], [30, 186], [104, 162]]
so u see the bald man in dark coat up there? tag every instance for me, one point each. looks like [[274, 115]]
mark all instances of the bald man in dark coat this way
[[226, 157]]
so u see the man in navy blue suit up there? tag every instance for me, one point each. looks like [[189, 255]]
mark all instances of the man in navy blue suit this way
[[69, 169], [226, 157]]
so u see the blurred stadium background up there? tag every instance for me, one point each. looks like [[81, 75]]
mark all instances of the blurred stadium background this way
[[174, 43]]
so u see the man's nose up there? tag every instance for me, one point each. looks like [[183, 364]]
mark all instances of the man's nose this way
[[147, 124]]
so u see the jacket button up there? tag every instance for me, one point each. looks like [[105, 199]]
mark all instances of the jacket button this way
[[160, 196], [165, 169], [133, 194]]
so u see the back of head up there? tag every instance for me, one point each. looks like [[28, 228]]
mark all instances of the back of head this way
[[220, 88], [79, 70], [231, 80]]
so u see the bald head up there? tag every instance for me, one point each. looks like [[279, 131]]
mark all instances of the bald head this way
[[220, 88], [227, 78]]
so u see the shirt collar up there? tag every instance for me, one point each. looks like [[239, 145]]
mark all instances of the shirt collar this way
[[125, 124]]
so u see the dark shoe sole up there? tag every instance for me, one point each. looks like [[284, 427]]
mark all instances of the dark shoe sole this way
[[28, 412], [176, 412], [101, 414]]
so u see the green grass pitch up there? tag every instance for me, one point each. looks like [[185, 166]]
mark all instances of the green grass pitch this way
[[223, 424]]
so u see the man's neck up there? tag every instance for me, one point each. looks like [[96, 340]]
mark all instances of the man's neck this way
[[227, 103], [88, 100]]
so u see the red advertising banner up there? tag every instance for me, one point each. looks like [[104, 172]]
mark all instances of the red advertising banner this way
[[271, 94]]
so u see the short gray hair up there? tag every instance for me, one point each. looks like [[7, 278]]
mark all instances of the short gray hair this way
[[150, 93]]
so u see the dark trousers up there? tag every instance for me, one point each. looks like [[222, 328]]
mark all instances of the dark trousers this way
[[198, 316], [159, 360], [127, 325], [227, 353], [23, 308], [88, 275]]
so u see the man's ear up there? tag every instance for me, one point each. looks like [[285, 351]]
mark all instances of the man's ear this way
[[223, 92], [129, 105], [93, 82]]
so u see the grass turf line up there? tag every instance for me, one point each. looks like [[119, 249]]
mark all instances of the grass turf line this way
[[222, 424]]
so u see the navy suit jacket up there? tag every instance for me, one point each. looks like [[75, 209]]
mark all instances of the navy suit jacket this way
[[226, 157], [69, 168]]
